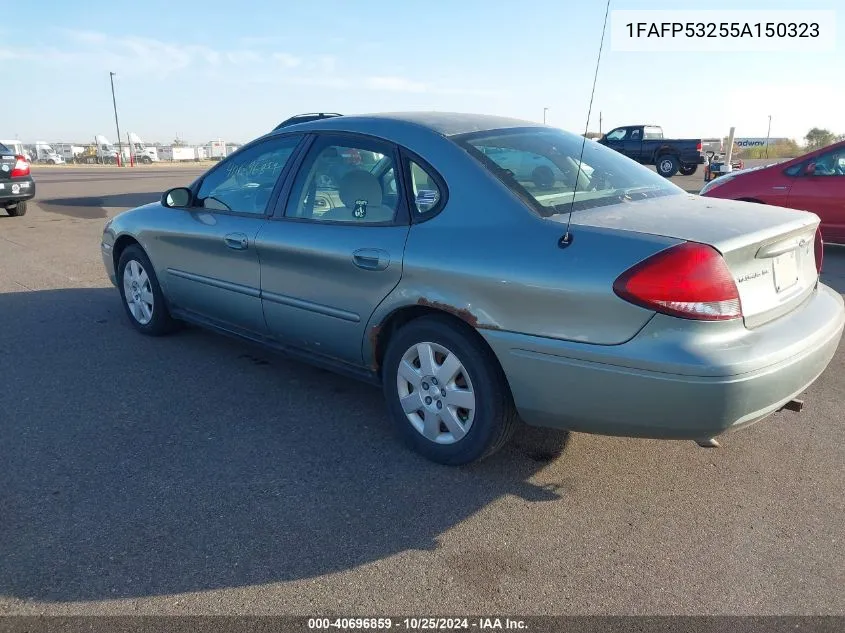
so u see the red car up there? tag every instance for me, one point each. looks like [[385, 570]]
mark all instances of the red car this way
[[814, 182]]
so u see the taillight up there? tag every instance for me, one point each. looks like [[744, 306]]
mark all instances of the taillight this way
[[698, 147], [819, 250], [690, 280], [21, 167]]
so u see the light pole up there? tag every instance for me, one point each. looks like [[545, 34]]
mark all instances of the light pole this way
[[544, 115], [768, 134], [116, 124]]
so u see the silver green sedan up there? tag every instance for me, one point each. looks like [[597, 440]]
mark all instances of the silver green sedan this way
[[401, 249]]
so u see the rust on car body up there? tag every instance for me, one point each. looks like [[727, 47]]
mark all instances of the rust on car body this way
[[462, 313]]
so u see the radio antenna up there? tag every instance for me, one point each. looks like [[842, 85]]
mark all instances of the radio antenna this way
[[566, 240]]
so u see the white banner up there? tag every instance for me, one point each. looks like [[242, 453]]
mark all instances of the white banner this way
[[714, 30]]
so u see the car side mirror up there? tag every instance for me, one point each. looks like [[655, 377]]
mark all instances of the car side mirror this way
[[810, 169], [177, 198]]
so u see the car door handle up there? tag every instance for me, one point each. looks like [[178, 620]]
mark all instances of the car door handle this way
[[236, 241], [371, 258], [780, 188]]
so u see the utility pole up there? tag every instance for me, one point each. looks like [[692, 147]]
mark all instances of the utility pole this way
[[768, 134], [116, 124], [599, 122], [544, 115]]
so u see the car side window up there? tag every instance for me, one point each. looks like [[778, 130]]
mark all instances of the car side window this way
[[635, 135], [349, 181], [424, 188], [244, 182], [830, 164], [617, 134]]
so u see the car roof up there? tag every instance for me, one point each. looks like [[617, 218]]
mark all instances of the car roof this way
[[443, 123]]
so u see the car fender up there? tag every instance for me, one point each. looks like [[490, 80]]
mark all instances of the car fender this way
[[402, 297]]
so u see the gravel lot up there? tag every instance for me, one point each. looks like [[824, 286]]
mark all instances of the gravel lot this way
[[198, 474]]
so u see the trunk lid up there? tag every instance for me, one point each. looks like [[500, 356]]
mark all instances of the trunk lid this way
[[769, 250]]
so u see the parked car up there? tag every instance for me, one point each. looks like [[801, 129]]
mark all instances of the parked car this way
[[18, 148], [16, 183], [812, 182], [646, 145], [615, 304]]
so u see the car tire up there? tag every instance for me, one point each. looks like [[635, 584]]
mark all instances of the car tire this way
[[139, 287], [667, 165], [146, 160], [472, 378], [688, 170], [543, 177], [18, 210]]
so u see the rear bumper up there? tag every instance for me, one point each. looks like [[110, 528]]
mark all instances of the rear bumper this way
[[17, 190], [705, 388]]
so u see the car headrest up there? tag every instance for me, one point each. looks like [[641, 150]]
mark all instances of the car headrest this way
[[357, 186]]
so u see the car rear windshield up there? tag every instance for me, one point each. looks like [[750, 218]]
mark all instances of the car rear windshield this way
[[541, 166]]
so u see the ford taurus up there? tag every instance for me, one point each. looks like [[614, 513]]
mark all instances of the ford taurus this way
[[394, 248]]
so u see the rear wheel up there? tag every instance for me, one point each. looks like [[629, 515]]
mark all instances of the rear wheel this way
[[446, 393], [17, 210], [688, 170], [142, 297], [667, 166]]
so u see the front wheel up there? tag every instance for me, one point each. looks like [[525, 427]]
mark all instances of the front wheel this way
[[446, 393], [667, 166], [146, 160], [142, 297]]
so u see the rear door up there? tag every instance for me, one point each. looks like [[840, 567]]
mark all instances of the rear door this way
[[334, 251], [208, 251], [823, 193], [633, 144]]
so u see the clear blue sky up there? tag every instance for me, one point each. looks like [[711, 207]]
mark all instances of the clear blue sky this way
[[207, 69]]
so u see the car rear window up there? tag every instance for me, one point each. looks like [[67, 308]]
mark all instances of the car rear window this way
[[541, 165]]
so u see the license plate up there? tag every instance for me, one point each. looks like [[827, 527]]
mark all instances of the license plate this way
[[785, 268]]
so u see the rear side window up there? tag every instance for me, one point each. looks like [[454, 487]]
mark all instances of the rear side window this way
[[424, 188], [349, 182]]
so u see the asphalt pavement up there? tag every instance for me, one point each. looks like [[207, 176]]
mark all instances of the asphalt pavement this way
[[199, 474]]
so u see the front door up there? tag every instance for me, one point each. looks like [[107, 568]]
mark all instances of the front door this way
[[208, 252], [823, 193], [335, 251]]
